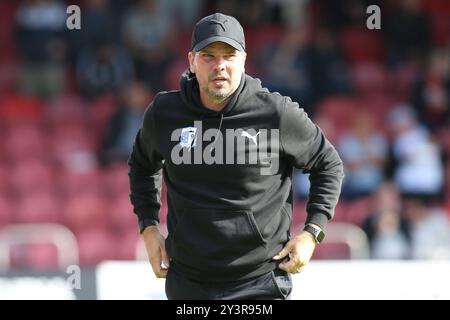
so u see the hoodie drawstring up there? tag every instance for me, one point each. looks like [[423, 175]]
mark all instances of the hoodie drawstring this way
[[218, 130]]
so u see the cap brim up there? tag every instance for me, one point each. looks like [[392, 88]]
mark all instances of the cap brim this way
[[207, 42]]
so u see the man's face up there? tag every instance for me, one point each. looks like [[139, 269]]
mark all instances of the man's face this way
[[218, 68]]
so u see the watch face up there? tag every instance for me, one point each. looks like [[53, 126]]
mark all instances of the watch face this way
[[318, 234]]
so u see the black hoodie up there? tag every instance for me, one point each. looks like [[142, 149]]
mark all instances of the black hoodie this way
[[229, 193]]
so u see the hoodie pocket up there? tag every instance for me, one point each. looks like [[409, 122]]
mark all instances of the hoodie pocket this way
[[282, 282], [220, 236]]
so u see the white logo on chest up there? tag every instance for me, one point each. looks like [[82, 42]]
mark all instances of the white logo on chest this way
[[249, 136]]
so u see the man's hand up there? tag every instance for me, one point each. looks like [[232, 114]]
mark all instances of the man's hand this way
[[298, 252], [156, 251]]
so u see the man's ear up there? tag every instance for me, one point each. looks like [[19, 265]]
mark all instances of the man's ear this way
[[191, 56]]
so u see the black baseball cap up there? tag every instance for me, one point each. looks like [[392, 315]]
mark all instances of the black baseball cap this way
[[218, 27]]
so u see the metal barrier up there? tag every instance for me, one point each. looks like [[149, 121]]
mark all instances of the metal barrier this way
[[40, 233], [349, 234]]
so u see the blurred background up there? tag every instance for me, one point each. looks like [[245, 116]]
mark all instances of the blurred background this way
[[71, 102]]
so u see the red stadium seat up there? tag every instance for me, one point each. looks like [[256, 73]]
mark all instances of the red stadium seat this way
[[331, 251], [339, 110], [401, 81], [340, 212], [358, 210], [436, 6], [38, 207], [182, 45], [8, 29], [32, 175], [72, 143], [4, 178], [85, 210], [9, 71], [126, 244], [360, 45], [440, 28], [66, 110], [7, 210], [100, 112], [262, 37], [121, 216], [37, 257], [25, 141], [73, 182], [173, 73], [379, 107], [439, 13], [17, 108], [96, 244], [116, 181], [444, 140], [369, 79]]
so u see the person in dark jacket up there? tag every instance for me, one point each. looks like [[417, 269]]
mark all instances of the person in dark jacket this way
[[226, 148]]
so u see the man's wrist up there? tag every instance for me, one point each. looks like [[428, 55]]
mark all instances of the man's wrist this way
[[314, 226], [144, 223], [315, 231]]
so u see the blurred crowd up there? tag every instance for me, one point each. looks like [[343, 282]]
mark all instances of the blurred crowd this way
[[71, 102]]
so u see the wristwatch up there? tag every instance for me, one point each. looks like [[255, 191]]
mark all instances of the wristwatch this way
[[317, 232]]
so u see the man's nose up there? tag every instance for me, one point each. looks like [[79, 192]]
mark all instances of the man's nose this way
[[220, 64]]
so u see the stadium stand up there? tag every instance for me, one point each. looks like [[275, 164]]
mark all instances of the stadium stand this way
[[61, 204]]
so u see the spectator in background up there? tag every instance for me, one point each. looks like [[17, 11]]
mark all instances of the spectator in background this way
[[293, 13], [104, 68], [408, 33], [364, 151], [301, 182], [433, 90], [41, 29], [251, 13], [418, 169], [97, 25], [430, 230], [185, 12], [340, 14], [289, 59], [125, 123], [387, 229], [147, 34], [329, 73]]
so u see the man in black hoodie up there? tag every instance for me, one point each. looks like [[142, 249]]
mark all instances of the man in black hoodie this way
[[226, 148]]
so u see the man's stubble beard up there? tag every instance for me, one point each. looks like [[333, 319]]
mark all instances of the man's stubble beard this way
[[218, 97]]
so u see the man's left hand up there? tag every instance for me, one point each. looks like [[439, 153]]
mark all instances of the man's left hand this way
[[298, 252]]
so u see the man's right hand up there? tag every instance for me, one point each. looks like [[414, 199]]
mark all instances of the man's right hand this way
[[156, 251]]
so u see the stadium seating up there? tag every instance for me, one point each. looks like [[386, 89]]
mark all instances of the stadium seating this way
[[96, 244], [361, 45], [49, 168], [6, 210]]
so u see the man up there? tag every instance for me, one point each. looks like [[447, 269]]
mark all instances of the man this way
[[227, 148]]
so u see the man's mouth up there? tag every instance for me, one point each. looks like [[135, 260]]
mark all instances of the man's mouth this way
[[219, 80]]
